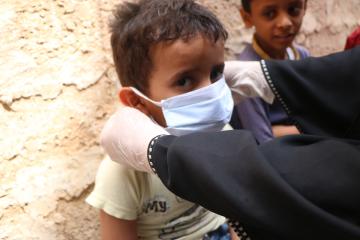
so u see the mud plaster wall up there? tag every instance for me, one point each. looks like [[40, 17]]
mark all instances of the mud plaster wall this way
[[57, 88]]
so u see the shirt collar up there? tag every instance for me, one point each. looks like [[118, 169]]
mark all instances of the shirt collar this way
[[291, 52]]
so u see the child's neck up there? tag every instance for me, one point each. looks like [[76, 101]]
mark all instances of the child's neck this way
[[267, 53]]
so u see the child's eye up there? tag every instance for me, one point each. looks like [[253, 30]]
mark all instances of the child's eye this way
[[184, 82], [295, 8], [294, 11], [217, 73], [269, 14]]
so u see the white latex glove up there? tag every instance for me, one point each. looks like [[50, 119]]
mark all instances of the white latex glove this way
[[126, 136], [246, 79]]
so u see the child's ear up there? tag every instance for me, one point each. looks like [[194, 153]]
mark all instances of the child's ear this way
[[130, 99], [246, 17]]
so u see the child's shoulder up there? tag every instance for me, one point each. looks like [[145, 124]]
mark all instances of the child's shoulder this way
[[110, 171], [304, 52], [248, 54]]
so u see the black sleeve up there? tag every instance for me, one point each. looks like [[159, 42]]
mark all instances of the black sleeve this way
[[298, 187], [322, 94]]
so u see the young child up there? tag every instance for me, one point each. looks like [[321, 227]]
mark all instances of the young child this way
[[276, 24], [169, 56]]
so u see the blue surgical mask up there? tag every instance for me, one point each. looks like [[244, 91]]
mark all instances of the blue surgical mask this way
[[205, 109]]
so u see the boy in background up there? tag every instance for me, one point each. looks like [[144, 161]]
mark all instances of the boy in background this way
[[276, 24], [169, 57]]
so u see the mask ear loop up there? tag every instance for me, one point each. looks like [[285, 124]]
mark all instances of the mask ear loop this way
[[140, 94]]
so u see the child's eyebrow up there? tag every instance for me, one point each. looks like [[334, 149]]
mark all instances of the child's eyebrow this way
[[296, 2], [187, 72], [270, 6]]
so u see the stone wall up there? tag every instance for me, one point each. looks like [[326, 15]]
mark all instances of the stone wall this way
[[57, 88]]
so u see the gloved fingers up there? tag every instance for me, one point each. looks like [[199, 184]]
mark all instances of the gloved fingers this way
[[126, 136]]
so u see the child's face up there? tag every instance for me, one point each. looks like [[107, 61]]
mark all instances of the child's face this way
[[180, 67], [276, 21]]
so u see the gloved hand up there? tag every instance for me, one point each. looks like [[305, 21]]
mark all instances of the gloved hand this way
[[246, 79], [126, 136]]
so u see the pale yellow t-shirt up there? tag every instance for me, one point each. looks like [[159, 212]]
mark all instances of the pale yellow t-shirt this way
[[128, 194]]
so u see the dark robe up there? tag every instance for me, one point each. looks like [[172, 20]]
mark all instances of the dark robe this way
[[295, 187]]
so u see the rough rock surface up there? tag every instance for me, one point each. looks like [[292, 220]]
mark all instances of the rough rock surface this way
[[57, 88]]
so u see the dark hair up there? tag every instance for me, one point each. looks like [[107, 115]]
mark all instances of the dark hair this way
[[139, 25], [246, 5]]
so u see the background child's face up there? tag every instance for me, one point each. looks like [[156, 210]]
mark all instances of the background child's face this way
[[180, 67], [276, 21]]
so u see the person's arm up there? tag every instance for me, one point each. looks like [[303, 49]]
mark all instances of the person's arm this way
[[298, 187], [320, 94], [310, 90], [114, 228], [253, 116]]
